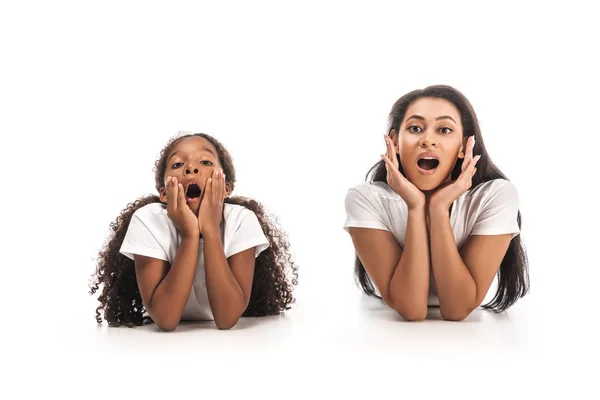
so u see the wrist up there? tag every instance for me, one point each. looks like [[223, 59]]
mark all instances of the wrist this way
[[438, 210], [418, 208], [211, 231], [193, 235]]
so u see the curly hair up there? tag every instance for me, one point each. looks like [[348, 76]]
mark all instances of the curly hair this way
[[275, 272]]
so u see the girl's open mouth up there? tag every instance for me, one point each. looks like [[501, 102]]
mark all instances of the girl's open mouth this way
[[427, 165], [192, 193]]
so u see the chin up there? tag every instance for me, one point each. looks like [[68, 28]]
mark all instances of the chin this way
[[427, 187]]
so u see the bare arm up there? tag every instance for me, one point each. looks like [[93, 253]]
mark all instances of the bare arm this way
[[402, 277], [165, 290], [228, 281], [462, 280]]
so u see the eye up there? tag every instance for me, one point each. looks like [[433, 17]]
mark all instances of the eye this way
[[445, 130], [414, 129], [177, 165], [206, 162]]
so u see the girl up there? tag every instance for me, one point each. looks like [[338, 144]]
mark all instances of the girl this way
[[437, 219], [193, 252]]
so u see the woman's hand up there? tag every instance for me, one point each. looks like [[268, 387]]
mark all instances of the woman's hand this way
[[412, 196], [211, 204], [178, 210], [445, 196]]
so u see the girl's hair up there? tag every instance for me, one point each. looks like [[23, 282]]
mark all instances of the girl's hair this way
[[513, 276], [120, 298]]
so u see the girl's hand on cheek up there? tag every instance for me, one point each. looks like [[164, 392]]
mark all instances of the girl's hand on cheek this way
[[178, 210], [211, 204], [413, 197], [445, 196]]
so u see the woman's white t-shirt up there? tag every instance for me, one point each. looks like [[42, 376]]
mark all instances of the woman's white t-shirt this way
[[151, 233], [489, 209]]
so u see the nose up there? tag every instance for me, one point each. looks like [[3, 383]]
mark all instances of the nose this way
[[427, 140], [189, 170]]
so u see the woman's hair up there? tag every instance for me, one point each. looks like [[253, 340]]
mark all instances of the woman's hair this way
[[513, 277], [120, 298]]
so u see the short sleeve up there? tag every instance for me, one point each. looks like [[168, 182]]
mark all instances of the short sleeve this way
[[143, 237], [246, 234], [362, 211], [499, 211]]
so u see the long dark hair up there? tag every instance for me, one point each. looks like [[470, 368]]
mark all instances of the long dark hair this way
[[513, 275], [274, 274]]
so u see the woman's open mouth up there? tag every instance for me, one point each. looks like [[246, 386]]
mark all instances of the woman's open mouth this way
[[192, 194], [427, 165]]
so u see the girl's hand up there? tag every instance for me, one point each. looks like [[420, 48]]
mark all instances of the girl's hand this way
[[211, 204], [178, 210], [445, 196], [413, 197]]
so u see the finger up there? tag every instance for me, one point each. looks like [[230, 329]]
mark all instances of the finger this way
[[208, 190], [391, 154], [218, 195], [180, 196], [222, 186], [389, 165], [214, 184], [171, 194], [468, 153], [474, 163]]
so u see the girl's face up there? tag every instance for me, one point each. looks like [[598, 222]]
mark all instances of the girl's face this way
[[431, 128], [192, 161]]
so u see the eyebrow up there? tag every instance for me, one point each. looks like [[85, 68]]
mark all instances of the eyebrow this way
[[437, 119], [202, 149]]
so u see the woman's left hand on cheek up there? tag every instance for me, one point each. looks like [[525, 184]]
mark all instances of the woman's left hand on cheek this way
[[444, 197], [211, 205]]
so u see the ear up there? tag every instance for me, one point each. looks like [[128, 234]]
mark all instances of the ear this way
[[227, 190], [162, 194], [394, 136]]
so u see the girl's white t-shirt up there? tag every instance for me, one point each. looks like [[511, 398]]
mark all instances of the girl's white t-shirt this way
[[489, 209], [151, 233]]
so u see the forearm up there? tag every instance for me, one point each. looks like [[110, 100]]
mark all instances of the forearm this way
[[456, 287], [171, 295], [409, 286], [225, 295]]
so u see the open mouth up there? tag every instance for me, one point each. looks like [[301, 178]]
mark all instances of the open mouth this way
[[193, 192], [428, 163]]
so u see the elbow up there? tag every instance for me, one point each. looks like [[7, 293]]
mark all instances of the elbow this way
[[411, 312], [225, 323], [167, 326], [223, 326], [413, 315], [166, 323], [455, 314]]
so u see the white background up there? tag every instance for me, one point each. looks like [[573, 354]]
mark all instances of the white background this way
[[299, 94]]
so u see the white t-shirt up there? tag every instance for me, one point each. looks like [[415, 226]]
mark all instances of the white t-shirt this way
[[489, 209], [151, 233]]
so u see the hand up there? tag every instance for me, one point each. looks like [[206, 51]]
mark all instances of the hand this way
[[211, 204], [178, 210], [412, 196], [445, 196]]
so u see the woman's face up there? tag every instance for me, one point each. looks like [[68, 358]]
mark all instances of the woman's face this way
[[429, 142]]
